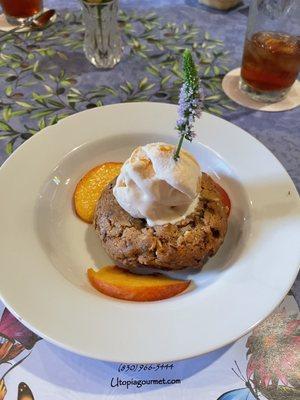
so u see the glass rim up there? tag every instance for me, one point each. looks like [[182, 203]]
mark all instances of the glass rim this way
[[98, 2]]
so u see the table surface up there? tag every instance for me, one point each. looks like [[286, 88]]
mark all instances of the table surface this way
[[53, 373], [279, 132]]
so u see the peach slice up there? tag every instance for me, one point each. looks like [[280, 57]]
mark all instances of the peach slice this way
[[122, 284], [90, 187], [224, 197]]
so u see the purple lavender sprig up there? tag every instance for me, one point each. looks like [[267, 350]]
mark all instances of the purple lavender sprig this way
[[190, 102]]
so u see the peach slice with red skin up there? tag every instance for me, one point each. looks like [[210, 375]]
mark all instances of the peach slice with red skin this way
[[122, 284], [90, 187], [224, 197]]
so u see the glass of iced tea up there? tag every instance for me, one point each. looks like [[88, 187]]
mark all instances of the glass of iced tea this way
[[18, 11], [271, 58]]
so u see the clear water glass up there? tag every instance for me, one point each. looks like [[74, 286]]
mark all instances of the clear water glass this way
[[102, 42]]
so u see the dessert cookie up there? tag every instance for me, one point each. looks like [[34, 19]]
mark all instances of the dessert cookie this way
[[189, 243]]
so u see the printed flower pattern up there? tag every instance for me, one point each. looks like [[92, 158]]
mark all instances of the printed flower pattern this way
[[9, 350], [14, 337], [274, 349], [273, 370], [2, 389]]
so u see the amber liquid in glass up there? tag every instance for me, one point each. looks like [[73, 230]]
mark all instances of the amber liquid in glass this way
[[271, 61], [21, 8]]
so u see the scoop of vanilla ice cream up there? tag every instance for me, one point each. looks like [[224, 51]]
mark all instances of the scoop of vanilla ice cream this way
[[153, 186]]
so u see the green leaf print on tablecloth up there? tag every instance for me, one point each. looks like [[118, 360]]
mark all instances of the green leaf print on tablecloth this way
[[40, 87]]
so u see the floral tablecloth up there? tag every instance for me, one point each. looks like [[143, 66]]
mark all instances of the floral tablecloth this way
[[44, 77]]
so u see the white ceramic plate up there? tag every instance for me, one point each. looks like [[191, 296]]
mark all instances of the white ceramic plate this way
[[46, 249]]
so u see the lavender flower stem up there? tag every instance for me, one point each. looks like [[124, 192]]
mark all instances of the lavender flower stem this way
[[176, 154], [190, 102]]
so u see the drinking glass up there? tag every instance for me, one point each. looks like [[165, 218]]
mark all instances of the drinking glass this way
[[18, 11], [102, 41], [271, 58]]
